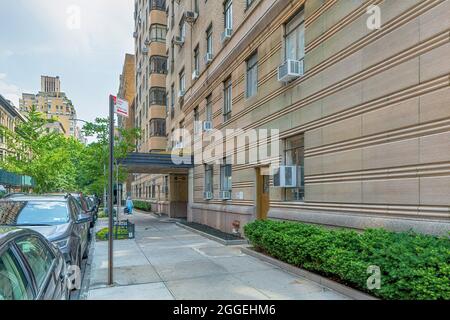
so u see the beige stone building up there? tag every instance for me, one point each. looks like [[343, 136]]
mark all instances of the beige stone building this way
[[363, 109], [51, 102], [150, 99]]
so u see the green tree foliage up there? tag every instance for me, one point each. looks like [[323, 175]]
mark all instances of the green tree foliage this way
[[40, 153], [61, 164]]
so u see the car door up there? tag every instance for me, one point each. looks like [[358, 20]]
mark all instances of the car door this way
[[15, 282], [41, 261], [81, 229]]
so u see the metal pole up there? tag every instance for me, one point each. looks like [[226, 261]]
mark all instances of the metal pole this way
[[111, 189], [118, 193]]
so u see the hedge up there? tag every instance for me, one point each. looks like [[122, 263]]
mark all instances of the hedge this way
[[413, 266], [142, 205]]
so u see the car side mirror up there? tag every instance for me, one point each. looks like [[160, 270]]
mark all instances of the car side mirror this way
[[84, 218]]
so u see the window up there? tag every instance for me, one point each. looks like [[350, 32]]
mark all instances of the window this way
[[196, 59], [294, 156], [248, 3], [182, 82], [196, 7], [209, 170], [157, 128], [13, 283], [172, 16], [209, 40], [172, 58], [166, 187], [38, 256], [158, 5], [295, 38], [197, 129], [158, 33], [182, 29], [228, 12], [158, 64], [172, 101], [157, 96], [209, 115], [252, 75], [225, 176], [227, 96]]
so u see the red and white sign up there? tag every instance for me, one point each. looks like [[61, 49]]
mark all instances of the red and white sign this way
[[121, 107]]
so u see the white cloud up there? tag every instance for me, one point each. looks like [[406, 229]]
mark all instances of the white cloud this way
[[86, 26], [10, 91]]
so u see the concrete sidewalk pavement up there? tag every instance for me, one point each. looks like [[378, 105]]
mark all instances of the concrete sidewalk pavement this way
[[168, 262]]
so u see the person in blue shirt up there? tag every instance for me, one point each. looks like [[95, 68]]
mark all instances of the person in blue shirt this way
[[129, 205]]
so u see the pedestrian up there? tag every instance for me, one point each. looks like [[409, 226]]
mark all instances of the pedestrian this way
[[129, 205]]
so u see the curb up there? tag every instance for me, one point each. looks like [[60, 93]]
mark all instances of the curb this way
[[214, 238], [85, 284], [333, 285]]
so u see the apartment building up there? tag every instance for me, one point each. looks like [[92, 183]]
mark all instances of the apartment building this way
[[150, 99], [9, 118], [53, 103], [359, 91]]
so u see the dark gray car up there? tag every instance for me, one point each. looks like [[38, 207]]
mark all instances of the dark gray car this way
[[58, 218], [31, 268]]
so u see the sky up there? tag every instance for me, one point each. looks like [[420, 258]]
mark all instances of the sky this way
[[84, 42]]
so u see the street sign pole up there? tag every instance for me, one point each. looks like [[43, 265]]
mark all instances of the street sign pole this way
[[111, 190]]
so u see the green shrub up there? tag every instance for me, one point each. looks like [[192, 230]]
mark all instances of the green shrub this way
[[102, 235], [142, 205], [413, 266]]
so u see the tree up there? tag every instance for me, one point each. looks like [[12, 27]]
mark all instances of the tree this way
[[44, 155], [95, 160]]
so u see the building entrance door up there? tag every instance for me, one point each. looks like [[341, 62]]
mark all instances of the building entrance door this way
[[263, 193]]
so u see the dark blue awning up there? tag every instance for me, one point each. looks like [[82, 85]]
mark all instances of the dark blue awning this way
[[157, 163]]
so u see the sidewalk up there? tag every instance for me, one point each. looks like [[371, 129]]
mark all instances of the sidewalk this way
[[169, 262]]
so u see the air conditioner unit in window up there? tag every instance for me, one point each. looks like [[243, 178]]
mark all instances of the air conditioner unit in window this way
[[226, 35], [207, 125], [289, 177], [208, 58], [225, 195], [147, 41], [208, 195], [144, 50], [195, 75], [179, 145], [290, 70], [135, 34], [190, 16], [181, 94], [178, 40]]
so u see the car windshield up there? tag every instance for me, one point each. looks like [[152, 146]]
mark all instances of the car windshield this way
[[34, 213]]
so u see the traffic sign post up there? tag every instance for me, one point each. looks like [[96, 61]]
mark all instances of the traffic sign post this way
[[111, 190]]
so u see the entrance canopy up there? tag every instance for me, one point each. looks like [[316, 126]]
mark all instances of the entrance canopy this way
[[157, 163]]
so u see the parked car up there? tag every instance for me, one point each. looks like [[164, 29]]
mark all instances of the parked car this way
[[31, 268], [86, 207], [58, 218]]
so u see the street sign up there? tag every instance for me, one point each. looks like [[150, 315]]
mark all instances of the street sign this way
[[121, 107]]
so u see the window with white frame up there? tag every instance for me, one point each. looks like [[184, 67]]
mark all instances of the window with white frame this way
[[252, 75], [227, 99], [197, 59], [209, 40], [209, 114], [295, 37], [294, 155], [182, 83], [228, 14], [209, 176], [225, 176]]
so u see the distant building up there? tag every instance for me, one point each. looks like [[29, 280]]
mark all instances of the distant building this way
[[56, 127], [127, 91], [52, 103]]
